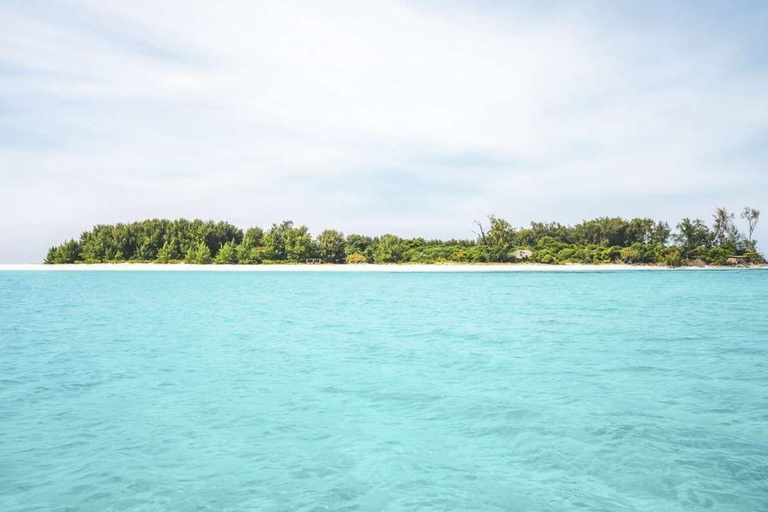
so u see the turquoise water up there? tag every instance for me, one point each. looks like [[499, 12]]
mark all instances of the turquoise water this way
[[150, 391]]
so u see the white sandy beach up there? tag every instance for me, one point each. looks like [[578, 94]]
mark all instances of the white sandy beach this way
[[402, 268]]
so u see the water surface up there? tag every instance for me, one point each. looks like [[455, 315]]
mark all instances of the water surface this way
[[277, 391]]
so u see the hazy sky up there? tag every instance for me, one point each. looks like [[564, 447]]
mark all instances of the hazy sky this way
[[376, 116]]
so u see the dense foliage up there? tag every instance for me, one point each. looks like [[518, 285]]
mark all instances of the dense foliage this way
[[603, 240]]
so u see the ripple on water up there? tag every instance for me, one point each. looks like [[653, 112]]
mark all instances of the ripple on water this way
[[258, 391]]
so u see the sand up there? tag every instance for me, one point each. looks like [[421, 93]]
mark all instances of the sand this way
[[182, 267]]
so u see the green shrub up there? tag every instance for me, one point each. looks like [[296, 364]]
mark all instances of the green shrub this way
[[68, 252], [716, 256], [199, 254], [566, 254], [674, 258], [630, 255], [356, 258], [545, 257], [248, 255], [227, 254]]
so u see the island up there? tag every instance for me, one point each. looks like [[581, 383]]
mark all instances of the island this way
[[605, 240]]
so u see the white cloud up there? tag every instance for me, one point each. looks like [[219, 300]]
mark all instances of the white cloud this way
[[376, 116]]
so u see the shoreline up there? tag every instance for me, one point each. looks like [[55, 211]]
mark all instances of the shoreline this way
[[391, 268]]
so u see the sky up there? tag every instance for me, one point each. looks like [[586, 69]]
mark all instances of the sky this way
[[413, 118]]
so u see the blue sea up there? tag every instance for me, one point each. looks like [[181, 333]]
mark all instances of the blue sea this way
[[241, 391]]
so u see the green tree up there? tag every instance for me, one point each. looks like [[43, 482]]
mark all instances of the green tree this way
[[630, 255], [605, 231], [602, 240], [146, 251], [50, 257], [299, 245], [200, 254], [497, 242], [226, 255], [360, 244], [274, 240], [717, 255], [388, 249], [68, 252], [530, 237], [659, 234], [692, 234], [248, 255], [752, 216], [253, 237], [217, 234], [99, 245], [674, 258], [330, 246], [501, 238], [637, 231], [251, 249], [724, 230], [169, 251]]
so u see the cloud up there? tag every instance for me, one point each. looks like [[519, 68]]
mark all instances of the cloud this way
[[380, 116]]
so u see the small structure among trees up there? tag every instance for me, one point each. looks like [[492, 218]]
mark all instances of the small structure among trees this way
[[522, 254]]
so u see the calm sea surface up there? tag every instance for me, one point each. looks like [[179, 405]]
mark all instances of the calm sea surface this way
[[196, 391]]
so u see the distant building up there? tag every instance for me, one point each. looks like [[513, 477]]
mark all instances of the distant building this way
[[523, 254]]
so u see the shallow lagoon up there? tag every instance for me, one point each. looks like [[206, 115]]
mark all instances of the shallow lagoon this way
[[360, 391]]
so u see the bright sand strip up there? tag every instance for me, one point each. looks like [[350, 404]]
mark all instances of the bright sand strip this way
[[438, 267]]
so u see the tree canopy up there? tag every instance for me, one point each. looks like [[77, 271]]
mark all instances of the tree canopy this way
[[601, 240]]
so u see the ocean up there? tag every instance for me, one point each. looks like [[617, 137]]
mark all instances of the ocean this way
[[206, 391]]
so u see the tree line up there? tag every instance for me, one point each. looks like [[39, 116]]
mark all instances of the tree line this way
[[602, 240]]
